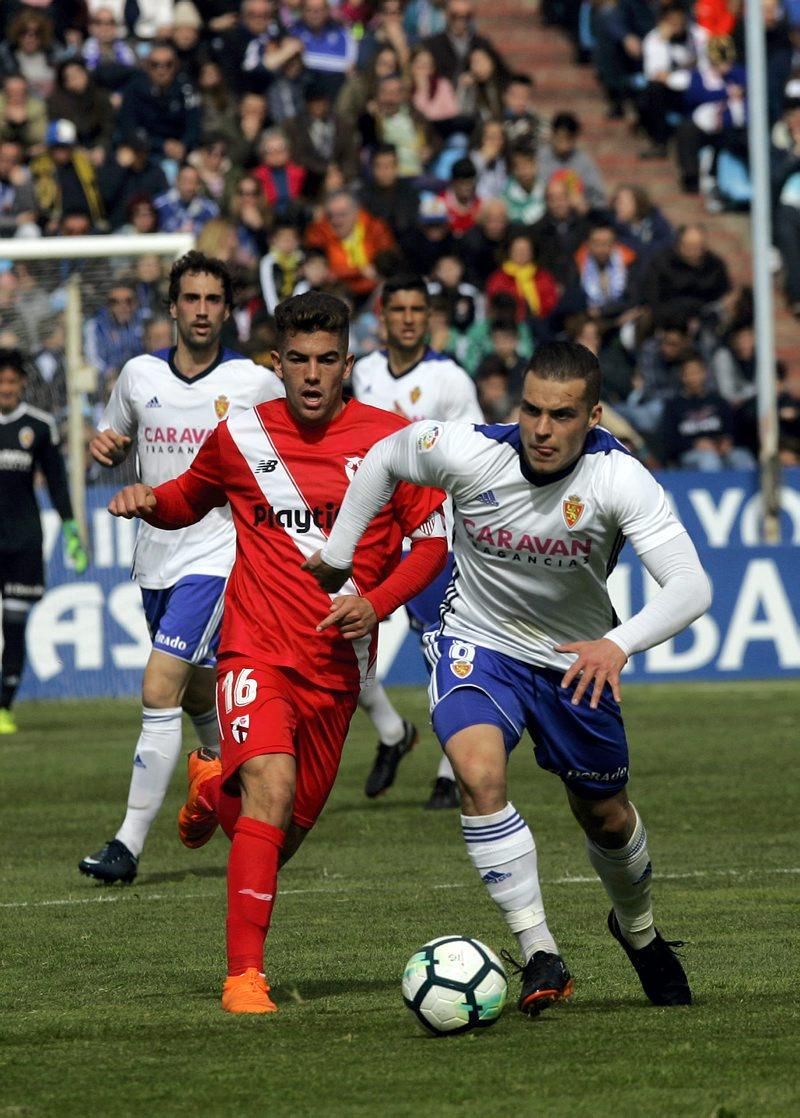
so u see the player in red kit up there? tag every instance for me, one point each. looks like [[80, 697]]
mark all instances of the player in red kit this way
[[291, 659]]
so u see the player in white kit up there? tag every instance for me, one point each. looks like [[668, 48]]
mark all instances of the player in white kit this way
[[529, 640], [410, 379], [166, 404]]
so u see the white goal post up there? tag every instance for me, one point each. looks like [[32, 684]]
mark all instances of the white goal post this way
[[45, 309]]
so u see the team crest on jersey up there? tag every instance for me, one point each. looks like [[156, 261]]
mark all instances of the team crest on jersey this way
[[221, 405], [351, 466], [461, 668], [415, 394], [428, 438], [26, 437], [240, 728], [572, 509]]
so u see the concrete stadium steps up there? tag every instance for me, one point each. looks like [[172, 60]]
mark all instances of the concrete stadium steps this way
[[561, 84]]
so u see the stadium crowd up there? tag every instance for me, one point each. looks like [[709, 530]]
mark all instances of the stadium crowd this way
[[321, 147]]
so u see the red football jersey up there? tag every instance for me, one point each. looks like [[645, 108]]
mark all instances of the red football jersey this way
[[285, 483]]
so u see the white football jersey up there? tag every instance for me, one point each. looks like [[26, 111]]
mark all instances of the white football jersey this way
[[435, 388], [169, 417], [532, 559]]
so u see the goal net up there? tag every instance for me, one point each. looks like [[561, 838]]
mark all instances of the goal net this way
[[79, 308]]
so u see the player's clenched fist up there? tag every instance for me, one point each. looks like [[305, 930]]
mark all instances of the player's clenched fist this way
[[329, 578], [109, 448], [133, 500]]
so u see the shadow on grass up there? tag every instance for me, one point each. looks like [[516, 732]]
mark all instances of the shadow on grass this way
[[179, 875]]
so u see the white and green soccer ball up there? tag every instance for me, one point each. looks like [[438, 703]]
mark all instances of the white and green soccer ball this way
[[454, 984]]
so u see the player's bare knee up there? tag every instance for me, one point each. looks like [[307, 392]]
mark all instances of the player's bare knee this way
[[609, 822], [268, 787]]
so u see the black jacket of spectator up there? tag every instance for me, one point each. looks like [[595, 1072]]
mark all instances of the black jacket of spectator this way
[[397, 205], [174, 115], [670, 285], [119, 185], [481, 254], [422, 253], [557, 242], [449, 64], [689, 418]]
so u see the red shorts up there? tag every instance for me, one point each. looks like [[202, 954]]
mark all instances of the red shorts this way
[[274, 710]]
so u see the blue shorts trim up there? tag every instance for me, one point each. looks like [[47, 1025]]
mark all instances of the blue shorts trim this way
[[184, 620], [471, 685]]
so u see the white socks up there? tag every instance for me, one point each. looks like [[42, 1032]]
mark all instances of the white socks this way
[[207, 729], [157, 752], [446, 770], [374, 701], [625, 875], [502, 850]]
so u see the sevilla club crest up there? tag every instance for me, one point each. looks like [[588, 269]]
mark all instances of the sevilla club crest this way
[[351, 466], [572, 509], [221, 405], [240, 728]]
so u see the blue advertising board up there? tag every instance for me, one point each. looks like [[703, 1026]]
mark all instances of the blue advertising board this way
[[87, 637]]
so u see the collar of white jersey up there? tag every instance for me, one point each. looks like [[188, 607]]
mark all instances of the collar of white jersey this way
[[598, 441], [428, 355], [168, 355]]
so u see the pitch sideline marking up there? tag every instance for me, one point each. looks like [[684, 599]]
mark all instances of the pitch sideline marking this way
[[568, 880]]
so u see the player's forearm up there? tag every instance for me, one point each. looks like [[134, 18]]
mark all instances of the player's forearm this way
[[425, 561], [684, 595], [174, 509], [368, 492]]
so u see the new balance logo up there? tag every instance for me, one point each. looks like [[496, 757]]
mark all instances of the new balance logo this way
[[253, 893], [494, 877], [488, 498], [266, 466], [153, 402]]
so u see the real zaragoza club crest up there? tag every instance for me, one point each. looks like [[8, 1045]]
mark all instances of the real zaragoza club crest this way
[[572, 509], [221, 405]]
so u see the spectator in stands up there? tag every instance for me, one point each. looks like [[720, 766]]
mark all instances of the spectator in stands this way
[[789, 419], [715, 98], [698, 431], [482, 85], [534, 289], [141, 216], [252, 113], [17, 201], [687, 278], [28, 50], [186, 28], [159, 333], [505, 337], [491, 383], [64, 179], [432, 95], [351, 239], [150, 286], [562, 158], [318, 138], [286, 94], [253, 50], [733, 374], [184, 208], [461, 197], [280, 269], [281, 179], [450, 48], [638, 222], [149, 20], [560, 232], [785, 171], [779, 52], [429, 237], [524, 192], [75, 97], [616, 363], [385, 27], [423, 18], [488, 154], [392, 119], [617, 30], [386, 195], [165, 107], [606, 272], [465, 301], [522, 125], [670, 52], [127, 174], [657, 376], [23, 118], [481, 246], [361, 88], [115, 334], [108, 57], [213, 164], [329, 49], [253, 219]]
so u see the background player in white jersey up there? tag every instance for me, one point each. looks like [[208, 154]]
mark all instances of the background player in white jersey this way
[[170, 402], [529, 639], [412, 380]]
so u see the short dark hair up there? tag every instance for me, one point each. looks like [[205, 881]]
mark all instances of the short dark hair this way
[[194, 263], [311, 312], [382, 149], [565, 122], [13, 359], [564, 361], [407, 281]]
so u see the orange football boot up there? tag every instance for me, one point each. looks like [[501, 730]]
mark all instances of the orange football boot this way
[[247, 993], [197, 819]]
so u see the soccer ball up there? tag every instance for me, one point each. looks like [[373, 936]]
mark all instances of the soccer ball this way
[[454, 984]]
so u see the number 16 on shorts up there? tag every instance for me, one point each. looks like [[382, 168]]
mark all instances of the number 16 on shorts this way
[[237, 690]]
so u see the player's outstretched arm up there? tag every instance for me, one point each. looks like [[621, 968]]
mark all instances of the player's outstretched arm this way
[[133, 500], [109, 448]]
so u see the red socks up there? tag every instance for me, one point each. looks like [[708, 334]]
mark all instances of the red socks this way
[[252, 885], [226, 808]]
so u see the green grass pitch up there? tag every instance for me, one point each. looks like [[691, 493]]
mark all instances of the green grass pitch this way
[[110, 997]]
